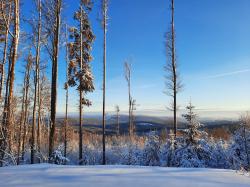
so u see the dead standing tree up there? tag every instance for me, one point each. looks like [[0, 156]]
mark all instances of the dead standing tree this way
[[37, 40], [51, 11], [104, 24], [24, 108], [6, 15], [6, 123], [117, 110], [127, 67], [66, 87], [173, 83]]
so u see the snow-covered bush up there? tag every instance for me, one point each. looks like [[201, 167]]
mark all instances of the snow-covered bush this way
[[57, 156], [219, 157], [239, 150], [167, 153], [151, 152]]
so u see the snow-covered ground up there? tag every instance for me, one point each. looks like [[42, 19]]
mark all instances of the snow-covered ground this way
[[118, 176]]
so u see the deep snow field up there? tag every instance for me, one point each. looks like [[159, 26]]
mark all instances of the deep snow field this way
[[47, 175]]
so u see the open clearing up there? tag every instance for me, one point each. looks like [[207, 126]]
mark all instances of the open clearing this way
[[118, 176]]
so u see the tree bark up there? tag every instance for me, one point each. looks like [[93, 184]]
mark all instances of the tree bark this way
[[54, 79], [7, 108], [104, 81], [174, 69], [66, 97]]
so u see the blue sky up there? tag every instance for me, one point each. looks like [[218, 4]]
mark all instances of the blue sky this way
[[213, 48]]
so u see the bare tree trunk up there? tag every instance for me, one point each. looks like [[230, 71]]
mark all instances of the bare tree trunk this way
[[67, 97], [118, 120], [174, 69], [26, 104], [22, 117], [7, 24], [38, 77], [104, 79], [32, 153], [128, 79], [80, 92], [7, 110], [54, 79]]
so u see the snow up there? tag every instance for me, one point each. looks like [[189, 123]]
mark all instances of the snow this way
[[116, 175]]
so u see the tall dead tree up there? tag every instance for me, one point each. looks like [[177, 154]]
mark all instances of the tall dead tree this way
[[117, 110], [127, 67], [66, 95], [104, 23], [24, 110], [6, 123], [29, 60], [6, 15], [79, 69], [52, 25], [37, 41], [173, 83]]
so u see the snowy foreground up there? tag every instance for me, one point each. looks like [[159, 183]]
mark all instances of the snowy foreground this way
[[118, 176]]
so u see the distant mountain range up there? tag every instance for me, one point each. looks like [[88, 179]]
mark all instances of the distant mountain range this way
[[143, 124]]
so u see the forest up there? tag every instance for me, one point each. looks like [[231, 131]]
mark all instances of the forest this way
[[31, 131]]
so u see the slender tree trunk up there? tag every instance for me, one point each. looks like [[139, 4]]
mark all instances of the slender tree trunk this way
[[5, 51], [118, 123], [80, 92], [54, 79], [67, 97], [36, 88], [7, 110], [104, 80], [174, 69], [21, 119], [38, 77], [26, 102]]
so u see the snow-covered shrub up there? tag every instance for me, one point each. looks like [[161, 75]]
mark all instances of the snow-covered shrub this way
[[131, 155], [151, 152], [168, 152], [91, 156], [57, 156], [219, 157], [239, 150]]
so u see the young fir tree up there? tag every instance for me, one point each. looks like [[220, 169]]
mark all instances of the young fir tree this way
[[195, 151], [79, 69]]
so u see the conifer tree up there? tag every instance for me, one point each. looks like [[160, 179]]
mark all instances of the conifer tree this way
[[79, 69]]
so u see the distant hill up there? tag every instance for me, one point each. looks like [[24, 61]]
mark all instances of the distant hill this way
[[143, 124]]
